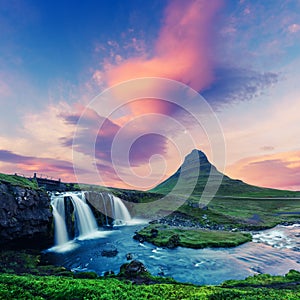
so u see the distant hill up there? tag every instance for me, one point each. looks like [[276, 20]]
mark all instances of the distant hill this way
[[229, 187]]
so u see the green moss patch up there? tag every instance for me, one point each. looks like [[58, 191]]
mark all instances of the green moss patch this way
[[164, 235]]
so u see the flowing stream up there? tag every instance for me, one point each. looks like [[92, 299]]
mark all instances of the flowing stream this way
[[274, 251]]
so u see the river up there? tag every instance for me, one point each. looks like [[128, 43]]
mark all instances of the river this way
[[274, 251]]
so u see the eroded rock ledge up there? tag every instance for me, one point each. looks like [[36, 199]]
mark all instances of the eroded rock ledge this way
[[25, 217]]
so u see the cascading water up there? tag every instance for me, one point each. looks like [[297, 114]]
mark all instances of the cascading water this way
[[118, 210], [84, 218], [60, 228], [121, 213], [85, 222]]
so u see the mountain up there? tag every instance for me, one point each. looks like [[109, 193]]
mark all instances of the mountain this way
[[195, 172]]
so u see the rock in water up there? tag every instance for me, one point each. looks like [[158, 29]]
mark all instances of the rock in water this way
[[129, 256], [109, 251]]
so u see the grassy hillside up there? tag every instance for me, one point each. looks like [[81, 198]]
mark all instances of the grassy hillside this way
[[18, 180], [235, 205]]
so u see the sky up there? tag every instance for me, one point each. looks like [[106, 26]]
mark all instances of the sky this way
[[58, 59]]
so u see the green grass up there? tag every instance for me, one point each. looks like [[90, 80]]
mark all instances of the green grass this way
[[27, 261], [251, 214], [60, 287], [193, 238], [63, 284], [266, 280], [18, 180]]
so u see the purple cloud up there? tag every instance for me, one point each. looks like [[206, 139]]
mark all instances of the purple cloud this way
[[234, 84], [40, 164], [140, 151]]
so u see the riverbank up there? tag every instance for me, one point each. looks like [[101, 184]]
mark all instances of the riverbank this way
[[33, 281]]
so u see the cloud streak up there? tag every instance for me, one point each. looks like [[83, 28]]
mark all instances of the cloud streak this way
[[280, 171], [182, 51], [233, 84], [35, 164]]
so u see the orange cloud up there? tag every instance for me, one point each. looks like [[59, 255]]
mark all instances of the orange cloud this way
[[182, 51], [280, 171]]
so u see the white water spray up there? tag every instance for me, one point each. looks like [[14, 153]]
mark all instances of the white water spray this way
[[60, 228], [85, 222], [84, 218], [118, 211]]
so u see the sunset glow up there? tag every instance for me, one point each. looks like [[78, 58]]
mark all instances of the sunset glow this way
[[242, 56]]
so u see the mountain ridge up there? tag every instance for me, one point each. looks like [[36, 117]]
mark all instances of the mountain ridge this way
[[199, 171]]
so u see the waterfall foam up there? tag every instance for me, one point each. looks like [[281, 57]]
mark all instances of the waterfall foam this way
[[118, 210], [60, 228], [121, 213], [85, 222]]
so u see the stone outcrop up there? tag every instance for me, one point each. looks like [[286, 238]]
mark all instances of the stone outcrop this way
[[25, 217]]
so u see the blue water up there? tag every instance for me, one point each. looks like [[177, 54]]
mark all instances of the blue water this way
[[273, 251]]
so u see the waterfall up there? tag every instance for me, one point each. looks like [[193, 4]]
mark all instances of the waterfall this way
[[121, 214], [60, 228], [114, 208], [85, 222]]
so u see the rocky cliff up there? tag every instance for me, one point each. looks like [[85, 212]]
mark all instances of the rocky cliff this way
[[25, 217]]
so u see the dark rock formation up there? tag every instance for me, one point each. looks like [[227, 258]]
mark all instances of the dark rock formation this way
[[133, 269], [129, 256], [109, 250], [138, 237], [25, 217], [69, 217], [173, 241]]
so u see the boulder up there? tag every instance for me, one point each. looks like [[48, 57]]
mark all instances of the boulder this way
[[109, 250], [133, 269], [129, 256], [139, 238]]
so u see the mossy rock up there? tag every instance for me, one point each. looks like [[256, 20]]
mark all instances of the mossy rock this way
[[173, 241]]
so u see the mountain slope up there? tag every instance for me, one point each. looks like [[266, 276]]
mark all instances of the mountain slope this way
[[229, 187]]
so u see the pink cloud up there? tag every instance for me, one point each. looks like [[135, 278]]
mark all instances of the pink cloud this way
[[183, 50], [294, 28], [280, 171], [12, 162]]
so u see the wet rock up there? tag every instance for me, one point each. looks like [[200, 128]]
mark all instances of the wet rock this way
[[133, 269], [129, 256], [109, 251], [139, 238]]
